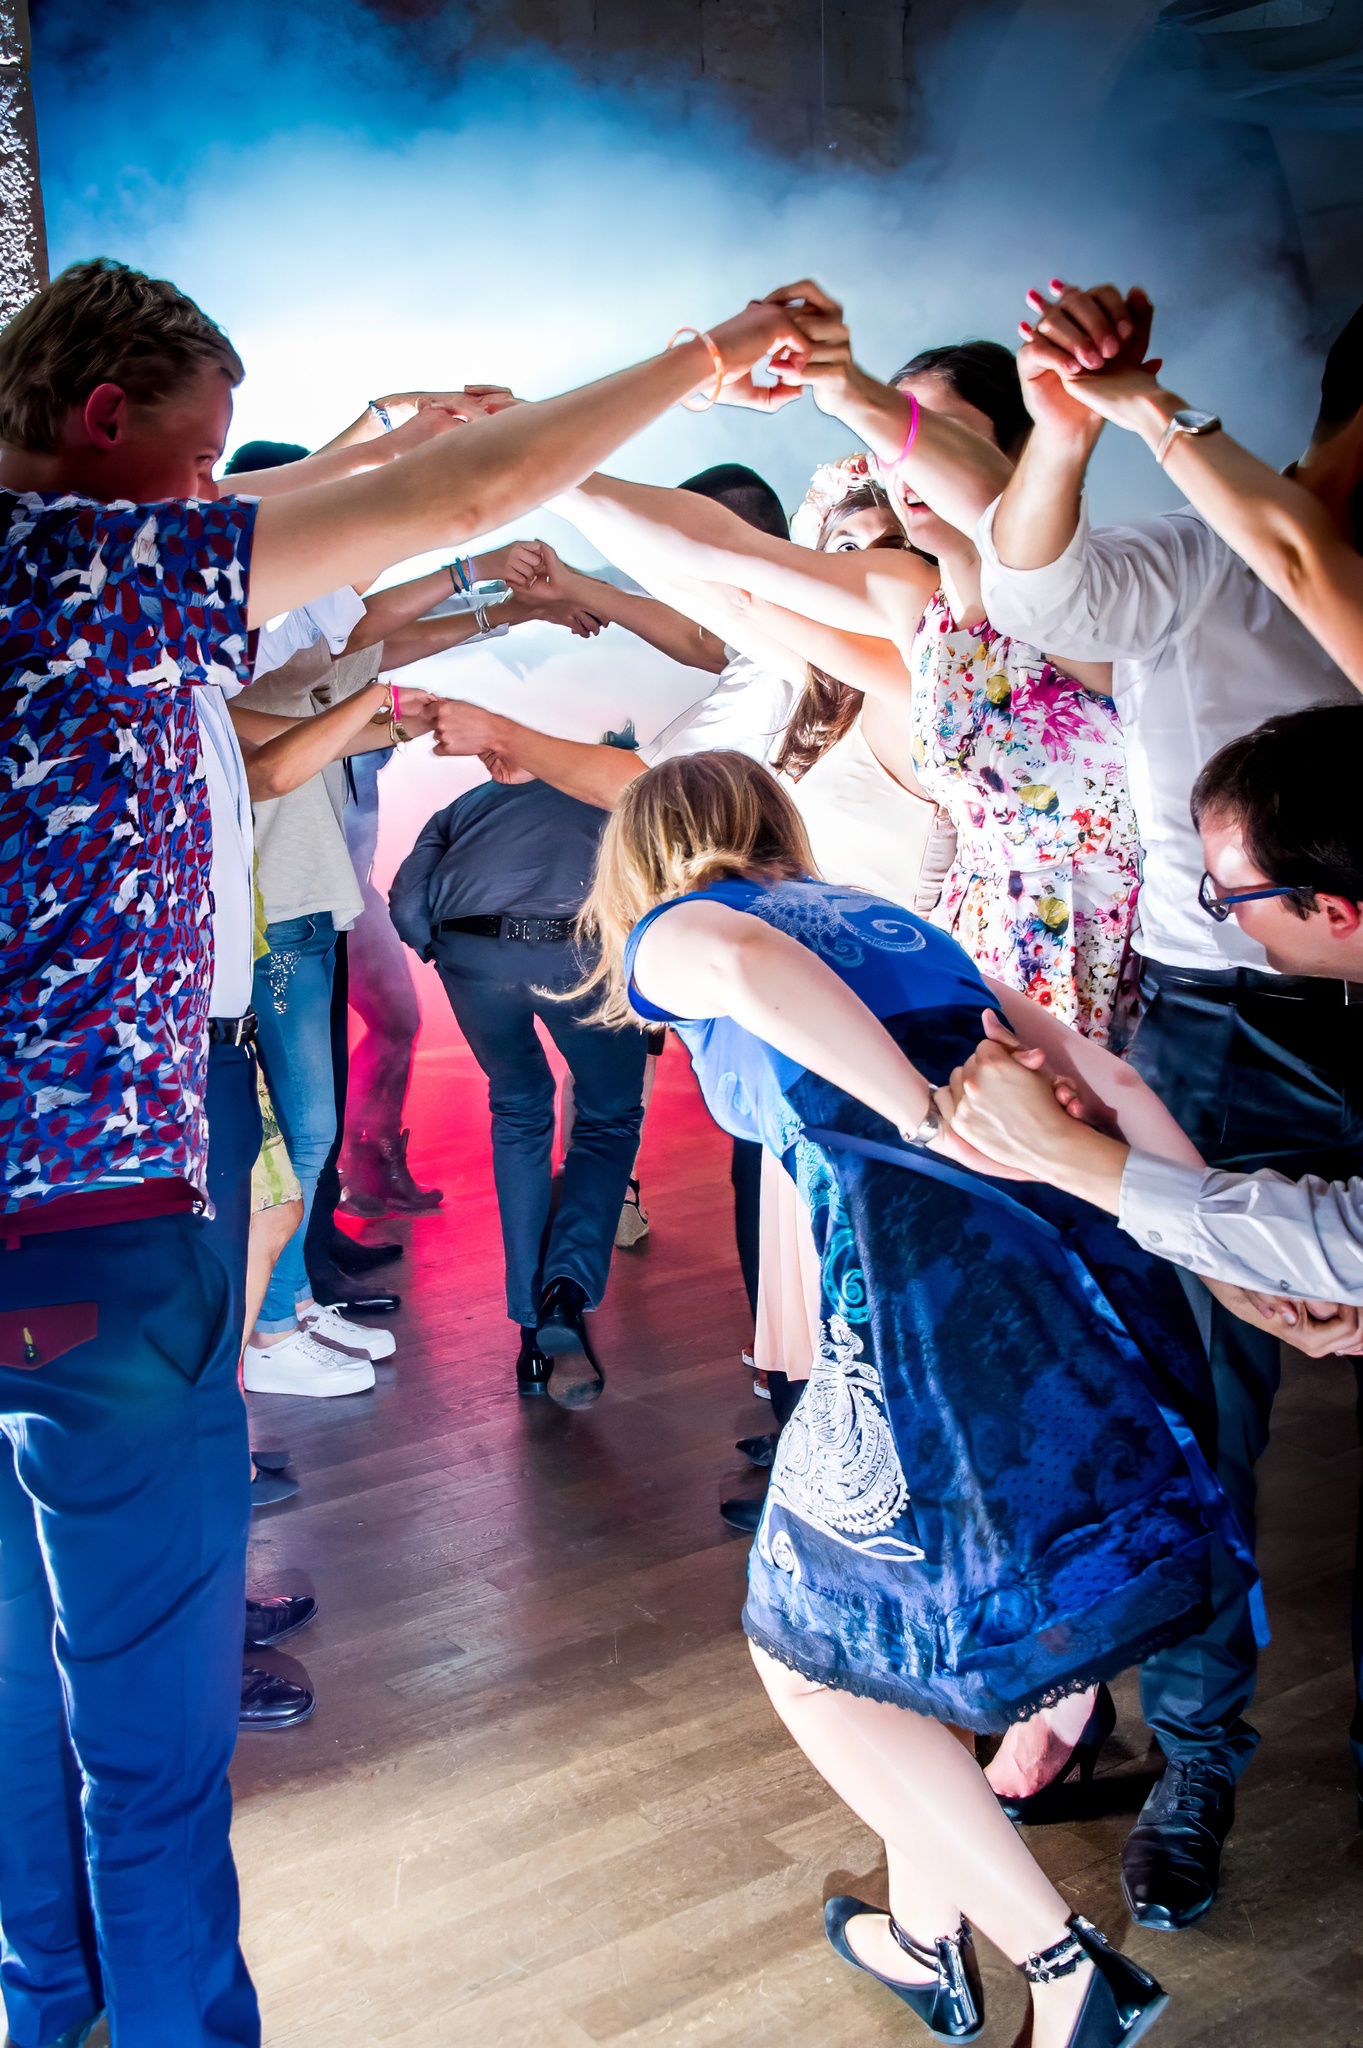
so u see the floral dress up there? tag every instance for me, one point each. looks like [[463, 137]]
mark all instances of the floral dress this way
[[1031, 768], [989, 1494]]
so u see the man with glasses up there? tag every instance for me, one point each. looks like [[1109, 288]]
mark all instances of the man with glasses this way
[[1262, 1069], [1282, 836]]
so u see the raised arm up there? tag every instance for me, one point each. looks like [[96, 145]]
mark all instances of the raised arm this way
[[677, 535], [954, 470], [594, 774], [1281, 529], [307, 542], [661, 625]]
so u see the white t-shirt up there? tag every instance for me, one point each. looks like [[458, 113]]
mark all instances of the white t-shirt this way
[[747, 710], [229, 805]]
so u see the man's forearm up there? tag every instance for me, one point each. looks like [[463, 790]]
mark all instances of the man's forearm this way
[[597, 775], [648, 619], [1038, 515]]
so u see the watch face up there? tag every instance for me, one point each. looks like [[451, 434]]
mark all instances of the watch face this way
[[1190, 421]]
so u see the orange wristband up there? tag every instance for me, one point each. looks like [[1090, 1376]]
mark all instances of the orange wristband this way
[[699, 334]]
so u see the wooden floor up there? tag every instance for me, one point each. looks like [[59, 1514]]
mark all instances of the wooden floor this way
[[543, 1803]]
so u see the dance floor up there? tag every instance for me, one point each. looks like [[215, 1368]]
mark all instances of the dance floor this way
[[543, 1803]]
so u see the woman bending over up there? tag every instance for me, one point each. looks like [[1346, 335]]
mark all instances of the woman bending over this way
[[979, 1504]]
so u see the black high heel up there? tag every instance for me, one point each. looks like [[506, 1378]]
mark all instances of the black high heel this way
[[1036, 1809], [1122, 2001], [953, 2007]]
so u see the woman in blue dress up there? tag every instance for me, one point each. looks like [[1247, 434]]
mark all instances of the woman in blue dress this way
[[989, 1497]]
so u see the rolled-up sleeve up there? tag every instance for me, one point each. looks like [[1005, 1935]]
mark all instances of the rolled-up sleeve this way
[[1113, 595], [1255, 1230]]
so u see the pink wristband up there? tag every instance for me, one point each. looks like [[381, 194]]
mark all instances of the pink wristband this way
[[397, 703], [910, 437]]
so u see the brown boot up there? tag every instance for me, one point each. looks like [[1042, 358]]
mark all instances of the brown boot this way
[[377, 1181]]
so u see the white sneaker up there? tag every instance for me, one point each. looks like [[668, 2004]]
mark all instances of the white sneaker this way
[[301, 1364], [334, 1328]]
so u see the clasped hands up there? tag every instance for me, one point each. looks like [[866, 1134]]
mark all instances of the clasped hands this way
[[1034, 1125]]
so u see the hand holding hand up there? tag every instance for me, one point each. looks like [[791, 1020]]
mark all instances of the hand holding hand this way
[[1321, 1329], [419, 708], [464, 728], [828, 368], [1076, 338], [761, 329], [519, 564]]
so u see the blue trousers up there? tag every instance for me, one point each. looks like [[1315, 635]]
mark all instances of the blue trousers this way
[[1255, 1080], [292, 999], [491, 984], [124, 1508]]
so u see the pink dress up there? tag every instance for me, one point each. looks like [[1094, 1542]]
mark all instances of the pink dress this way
[[1031, 768]]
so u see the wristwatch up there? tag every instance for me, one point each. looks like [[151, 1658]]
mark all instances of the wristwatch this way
[[1187, 420], [930, 1128]]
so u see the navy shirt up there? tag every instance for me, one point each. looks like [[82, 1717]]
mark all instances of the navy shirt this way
[[517, 847]]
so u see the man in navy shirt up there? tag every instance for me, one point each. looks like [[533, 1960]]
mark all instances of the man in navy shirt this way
[[490, 892]]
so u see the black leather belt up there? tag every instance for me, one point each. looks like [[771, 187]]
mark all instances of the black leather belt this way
[[232, 1030], [1229, 982], [541, 928]]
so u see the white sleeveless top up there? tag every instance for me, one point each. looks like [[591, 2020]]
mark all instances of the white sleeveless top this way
[[868, 831]]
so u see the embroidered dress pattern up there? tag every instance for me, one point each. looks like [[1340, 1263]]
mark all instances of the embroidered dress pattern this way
[[1031, 768], [111, 614]]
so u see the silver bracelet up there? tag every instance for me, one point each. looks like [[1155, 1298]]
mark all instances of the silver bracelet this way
[[930, 1128]]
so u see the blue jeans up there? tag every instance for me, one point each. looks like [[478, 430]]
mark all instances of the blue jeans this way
[[491, 984], [292, 999], [124, 1508], [1255, 1079]]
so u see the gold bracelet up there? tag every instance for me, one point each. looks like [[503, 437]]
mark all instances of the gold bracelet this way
[[699, 334]]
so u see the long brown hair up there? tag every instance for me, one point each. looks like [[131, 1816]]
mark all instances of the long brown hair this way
[[696, 819], [827, 709]]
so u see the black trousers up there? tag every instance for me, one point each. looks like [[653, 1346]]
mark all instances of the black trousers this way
[[1256, 1076]]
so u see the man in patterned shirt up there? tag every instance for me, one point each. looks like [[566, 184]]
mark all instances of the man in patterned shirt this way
[[125, 583]]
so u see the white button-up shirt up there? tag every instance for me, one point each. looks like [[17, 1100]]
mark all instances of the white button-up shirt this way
[[229, 804], [1201, 652], [1257, 1230]]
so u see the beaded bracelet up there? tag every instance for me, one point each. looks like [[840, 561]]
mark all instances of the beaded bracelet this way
[[699, 334]]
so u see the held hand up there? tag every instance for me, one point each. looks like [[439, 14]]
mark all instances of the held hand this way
[[1002, 1104], [828, 368], [1116, 394], [1321, 1329], [761, 329], [419, 710], [463, 728], [423, 426], [1081, 332], [519, 564]]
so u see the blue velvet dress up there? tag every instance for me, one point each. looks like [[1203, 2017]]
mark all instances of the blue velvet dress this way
[[991, 1493]]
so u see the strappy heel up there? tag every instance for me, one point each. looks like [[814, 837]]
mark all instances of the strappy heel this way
[[952, 2007], [1036, 1809], [1122, 2002]]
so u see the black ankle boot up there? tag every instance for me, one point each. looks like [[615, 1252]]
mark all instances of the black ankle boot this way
[[532, 1368], [1122, 2000], [953, 2007]]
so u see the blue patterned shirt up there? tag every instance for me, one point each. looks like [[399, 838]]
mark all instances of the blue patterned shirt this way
[[110, 614]]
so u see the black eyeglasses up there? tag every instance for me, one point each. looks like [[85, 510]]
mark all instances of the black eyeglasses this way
[[1220, 907]]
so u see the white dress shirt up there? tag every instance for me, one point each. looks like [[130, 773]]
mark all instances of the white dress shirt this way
[[747, 710], [332, 618], [1257, 1230], [229, 805], [1201, 652]]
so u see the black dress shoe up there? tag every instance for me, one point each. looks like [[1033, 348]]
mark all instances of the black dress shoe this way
[[282, 1614], [270, 1702], [269, 1488], [335, 1289], [758, 1450], [353, 1257], [532, 1368], [1172, 1858], [743, 1515], [575, 1376]]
